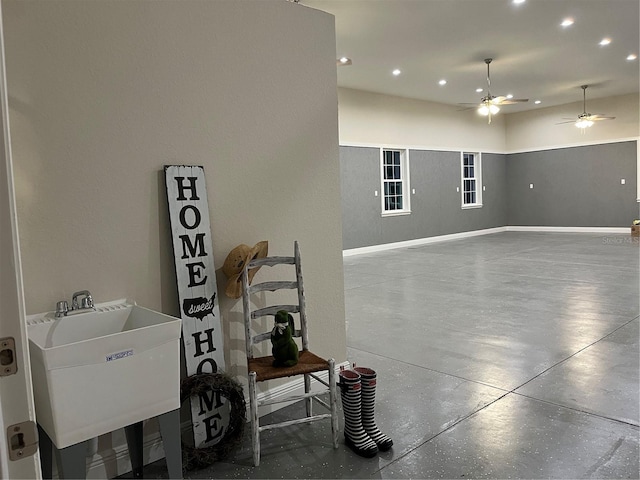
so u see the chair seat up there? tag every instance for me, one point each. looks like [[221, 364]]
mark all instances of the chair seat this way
[[307, 363]]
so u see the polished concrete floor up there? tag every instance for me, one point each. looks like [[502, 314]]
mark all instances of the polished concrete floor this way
[[512, 355]]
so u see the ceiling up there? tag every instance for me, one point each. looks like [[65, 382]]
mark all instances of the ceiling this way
[[533, 56]]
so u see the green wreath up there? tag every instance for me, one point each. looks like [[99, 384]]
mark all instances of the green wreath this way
[[229, 388]]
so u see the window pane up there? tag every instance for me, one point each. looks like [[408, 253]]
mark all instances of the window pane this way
[[471, 172], [466, 172], [388, 172], [472, 197], [472, 185], [393, 183]]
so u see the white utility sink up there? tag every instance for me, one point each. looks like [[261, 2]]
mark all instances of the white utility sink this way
[[98, 371]]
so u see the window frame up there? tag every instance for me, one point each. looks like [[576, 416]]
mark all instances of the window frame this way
[[404, 180], [477, 178]]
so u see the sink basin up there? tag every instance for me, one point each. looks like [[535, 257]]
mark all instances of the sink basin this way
[[98, 371]]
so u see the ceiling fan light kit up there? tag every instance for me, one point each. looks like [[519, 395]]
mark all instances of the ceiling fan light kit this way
[[488, 108], [489, 104], [585, 119]]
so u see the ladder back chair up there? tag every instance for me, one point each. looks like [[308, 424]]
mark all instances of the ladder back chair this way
[[261, 368]]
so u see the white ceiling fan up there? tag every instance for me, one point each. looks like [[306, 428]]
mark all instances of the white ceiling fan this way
[[490, 104], [585, 120]]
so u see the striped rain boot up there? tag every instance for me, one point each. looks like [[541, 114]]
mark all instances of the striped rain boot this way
[[368, 381], [355, 436]]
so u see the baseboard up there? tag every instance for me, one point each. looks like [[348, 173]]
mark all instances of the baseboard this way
[[474, 233], [115, 461], [517, 228], [421, 241]]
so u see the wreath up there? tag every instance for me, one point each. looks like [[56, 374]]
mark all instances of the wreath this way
[[230, 389]]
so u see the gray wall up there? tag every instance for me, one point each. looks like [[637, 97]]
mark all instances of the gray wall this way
[[574, 187], [435, 207]]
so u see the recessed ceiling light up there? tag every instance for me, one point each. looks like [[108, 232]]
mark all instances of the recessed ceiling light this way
[[537, 102], [510, 96], [605, 41], [344, 61], [567, 22], [442, 82], [396, 72], [517, 2], [632, 56], [478, 90]]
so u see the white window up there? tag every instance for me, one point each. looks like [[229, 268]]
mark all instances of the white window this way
[[395, 182], [471, 180]]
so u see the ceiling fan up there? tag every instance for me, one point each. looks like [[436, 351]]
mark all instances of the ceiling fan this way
[[490, 104], [585, 119]]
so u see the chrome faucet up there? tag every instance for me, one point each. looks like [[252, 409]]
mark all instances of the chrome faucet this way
[[86, 303]]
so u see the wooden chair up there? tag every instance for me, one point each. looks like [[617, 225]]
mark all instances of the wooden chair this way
[[261, 369]]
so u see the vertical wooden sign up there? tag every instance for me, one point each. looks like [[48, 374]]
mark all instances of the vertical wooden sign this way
[[197, 294]]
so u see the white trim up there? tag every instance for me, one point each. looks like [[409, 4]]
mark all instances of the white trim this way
[[430, 148], [421, 241], [414, 147], [119, 461], [404, 178], [516, 228], [573, 145], [474, 233], [395, 213], [477, 177], [17, 403]]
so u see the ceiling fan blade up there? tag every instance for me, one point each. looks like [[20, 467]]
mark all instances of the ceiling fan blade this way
[[511, 101], [499, 100], [596, 118], [568, 121]]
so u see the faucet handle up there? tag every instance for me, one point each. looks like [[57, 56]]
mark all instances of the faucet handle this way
[[87, 302], [62, 307]]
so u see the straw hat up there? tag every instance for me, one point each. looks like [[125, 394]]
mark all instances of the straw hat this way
[[235, 262]]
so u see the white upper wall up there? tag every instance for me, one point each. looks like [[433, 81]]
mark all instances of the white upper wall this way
[[539, 129], [382, 120], [378, 120]]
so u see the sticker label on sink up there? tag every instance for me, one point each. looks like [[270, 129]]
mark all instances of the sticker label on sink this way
[[119, 355]]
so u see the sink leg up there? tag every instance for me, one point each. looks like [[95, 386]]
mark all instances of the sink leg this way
[[46, 453], [72, 461], [134, 441], [171, 439]]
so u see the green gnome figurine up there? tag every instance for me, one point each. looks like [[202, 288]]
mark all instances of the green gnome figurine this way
[[285, 350]]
